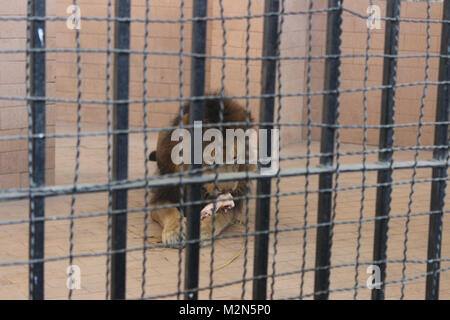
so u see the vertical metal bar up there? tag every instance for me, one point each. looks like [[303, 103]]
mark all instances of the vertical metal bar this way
[[329, 115], [383, 202], [120, 149], [37, 179], [266, 114], [193, 192], [437, 201]]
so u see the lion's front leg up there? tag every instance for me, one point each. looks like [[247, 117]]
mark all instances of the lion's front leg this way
[[169, 219], [223, 219]]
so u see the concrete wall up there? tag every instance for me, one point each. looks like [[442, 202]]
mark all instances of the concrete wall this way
[[13, 114], [163, 74], [164, 70], [408, 99]]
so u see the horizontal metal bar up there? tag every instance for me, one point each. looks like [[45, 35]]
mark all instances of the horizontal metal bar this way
[[242, 123], [256, 96], [218, 18], [178, 20], [49, 191]]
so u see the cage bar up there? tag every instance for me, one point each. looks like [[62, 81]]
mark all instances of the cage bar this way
[[117, 185], [268, 82], [383, 200], [37, 179], [329, 116], [120, 149], [437, 202], [193, 191], [50, 191]]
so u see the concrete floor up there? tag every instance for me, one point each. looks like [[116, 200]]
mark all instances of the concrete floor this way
[[162, 263]]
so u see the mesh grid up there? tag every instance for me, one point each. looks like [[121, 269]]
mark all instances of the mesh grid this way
[[417, 164]]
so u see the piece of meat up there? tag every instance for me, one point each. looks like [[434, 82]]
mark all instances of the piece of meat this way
[[224, 201]]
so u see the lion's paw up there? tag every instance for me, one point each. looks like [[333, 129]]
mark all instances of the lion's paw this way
[[205, 239], [172, 237]]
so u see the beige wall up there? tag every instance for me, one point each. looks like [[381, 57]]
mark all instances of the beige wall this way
[[163, 73], [163, 70], [412, 41], [13, 114], [293, 44], [236, 37], [292, 71]]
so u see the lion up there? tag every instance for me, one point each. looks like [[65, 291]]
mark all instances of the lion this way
[[169, 218]]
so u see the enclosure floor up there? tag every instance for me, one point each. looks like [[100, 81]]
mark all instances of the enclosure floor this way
[[161, 276]]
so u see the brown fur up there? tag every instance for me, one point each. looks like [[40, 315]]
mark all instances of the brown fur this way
[[169, 218]]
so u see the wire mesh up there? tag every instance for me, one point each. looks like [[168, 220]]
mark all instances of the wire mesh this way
[[302, 238]]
